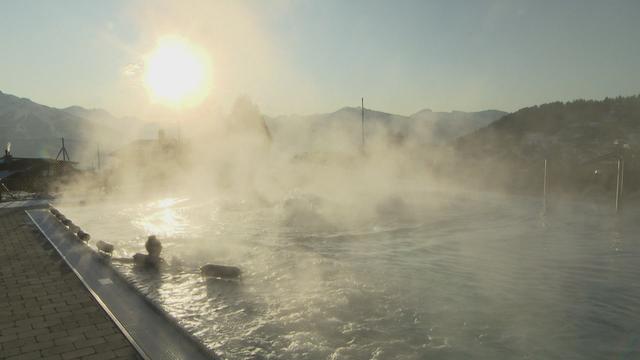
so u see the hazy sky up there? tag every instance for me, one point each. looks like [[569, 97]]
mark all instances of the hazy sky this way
[[317, 56]]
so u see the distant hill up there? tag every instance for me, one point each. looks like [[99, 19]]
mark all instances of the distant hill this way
[[567, 134], [578, 130], [131, 124], [341, 129], [35, 130], [446, 126]]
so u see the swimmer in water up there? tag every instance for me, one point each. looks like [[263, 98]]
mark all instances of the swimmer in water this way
[[153, 259], [150, 260]]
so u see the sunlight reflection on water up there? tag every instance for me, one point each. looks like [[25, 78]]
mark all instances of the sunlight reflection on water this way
[[478, 278], [163, 218]]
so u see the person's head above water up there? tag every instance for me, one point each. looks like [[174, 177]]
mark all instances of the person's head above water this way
[[153, 246]]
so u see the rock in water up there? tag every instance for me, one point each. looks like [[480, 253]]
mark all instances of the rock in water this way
[[104, 247], [83, 236], [220, 271], [74, 228]]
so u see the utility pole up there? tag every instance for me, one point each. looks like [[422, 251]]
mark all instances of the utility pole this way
[[362, 107], [544, 187], [98, 156], [63, 152]]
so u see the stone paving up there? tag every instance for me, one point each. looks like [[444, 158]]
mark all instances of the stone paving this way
[[45, 311]]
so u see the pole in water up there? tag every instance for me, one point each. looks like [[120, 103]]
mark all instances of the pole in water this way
[[544, 188], [618, 188], [362, 107], [621, 178]]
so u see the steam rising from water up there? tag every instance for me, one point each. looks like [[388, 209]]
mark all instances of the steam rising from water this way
[[356, 252], [473, 276]]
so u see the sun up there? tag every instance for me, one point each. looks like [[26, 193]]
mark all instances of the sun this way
[[177, 73]]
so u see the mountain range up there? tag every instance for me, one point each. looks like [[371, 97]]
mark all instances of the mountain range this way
[[342, 129], [35, 129], [492, 147]]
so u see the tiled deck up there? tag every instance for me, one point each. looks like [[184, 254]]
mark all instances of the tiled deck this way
[[45, 311]]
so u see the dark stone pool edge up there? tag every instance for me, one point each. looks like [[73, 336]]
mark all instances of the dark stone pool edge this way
[[61, 234]]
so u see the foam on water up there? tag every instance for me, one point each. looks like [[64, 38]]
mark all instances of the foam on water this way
[[480, 276]]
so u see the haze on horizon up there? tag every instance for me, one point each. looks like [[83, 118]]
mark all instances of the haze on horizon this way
[[308, 57], [350, 234]]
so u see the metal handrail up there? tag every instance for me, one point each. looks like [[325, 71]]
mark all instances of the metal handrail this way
[[3, 188]]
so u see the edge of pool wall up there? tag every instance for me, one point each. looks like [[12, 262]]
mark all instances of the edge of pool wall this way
[[151, 304]]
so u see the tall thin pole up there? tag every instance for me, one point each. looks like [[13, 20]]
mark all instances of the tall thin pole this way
[[618, 188], [544, 188], [98, 157], [621, 178], [362, 106]]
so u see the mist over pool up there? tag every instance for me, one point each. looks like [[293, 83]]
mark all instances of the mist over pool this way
[[477, 276]]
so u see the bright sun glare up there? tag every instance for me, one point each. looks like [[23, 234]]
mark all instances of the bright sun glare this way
[[177, 73]]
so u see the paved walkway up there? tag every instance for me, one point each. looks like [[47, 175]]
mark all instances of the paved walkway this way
[[45, 311]]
